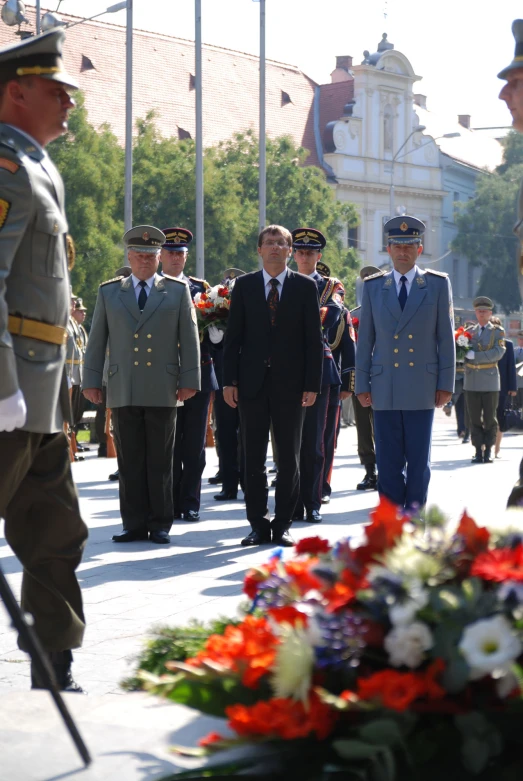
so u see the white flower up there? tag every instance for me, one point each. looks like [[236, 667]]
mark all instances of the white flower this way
[[506, 682], [462, 341], [488, 645], [407, 644], [292, 671], [403, 613]]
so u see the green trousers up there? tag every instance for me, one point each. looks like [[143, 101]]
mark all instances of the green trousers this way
[[44, 528], [481, 408]]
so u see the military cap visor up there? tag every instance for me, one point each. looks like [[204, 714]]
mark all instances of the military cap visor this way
[[39, 55], [177, 238], [517, 62], [232, 273], [79, 305]]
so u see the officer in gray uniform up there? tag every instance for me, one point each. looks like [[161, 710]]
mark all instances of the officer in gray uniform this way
[[37, 495], [405, 362], [78, 314], [481, 383], [148, 322]]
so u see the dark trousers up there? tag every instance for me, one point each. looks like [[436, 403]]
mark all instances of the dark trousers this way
[[144, 439], [365, 432], [458, 400], [189, 452], [330, 437], [78, 406], [256, 416], [99, 420], [227, 442], [44, 528], [312, 454], [481, 408], [403, 439]]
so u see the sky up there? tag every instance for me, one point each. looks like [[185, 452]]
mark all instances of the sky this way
[[456, 46]]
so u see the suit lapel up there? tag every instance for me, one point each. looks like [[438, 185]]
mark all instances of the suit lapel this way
[[418, 291], [127, 296], [154, 299]]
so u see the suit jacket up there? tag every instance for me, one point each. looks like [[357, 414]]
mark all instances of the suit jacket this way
[[293, 348], [34, 280], [481, 373], [404, 357], [507, 370], [152, 353]]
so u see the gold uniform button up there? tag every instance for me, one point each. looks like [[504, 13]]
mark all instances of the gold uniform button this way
[[396, 337], [31, 353], [411, 350], [411, 364], [136, 363], [149, 363], [396, 350], [136, 336], [55, 227], [410, 336], [149, 349], [396, 365], [149, 336], [136, 349]]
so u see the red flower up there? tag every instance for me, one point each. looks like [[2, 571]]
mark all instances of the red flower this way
[[251, 583], [283, 718], [382, 533], [476, 539], [300, 572], [356, 322], [312, 545], [288, 615], [211, 739], [397, 691], [223, 292], [499, 565]]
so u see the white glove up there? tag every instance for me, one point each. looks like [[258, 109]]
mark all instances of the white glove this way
[[470, 355], [215, 334], [13, 412]]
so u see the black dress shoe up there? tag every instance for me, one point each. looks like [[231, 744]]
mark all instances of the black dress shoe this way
[[216, 480], [83, 448], [478, 458], [160, 537], [191, 515], [369, 482], [313, 517], [325, 499], [115, 475], [465, 439], [284, 539], [102, 451], [130, 535], [225, 496], [61, 663], [487, 457], [79, 458], [256, 538]]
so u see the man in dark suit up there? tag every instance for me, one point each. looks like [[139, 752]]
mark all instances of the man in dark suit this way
[[273, 356]]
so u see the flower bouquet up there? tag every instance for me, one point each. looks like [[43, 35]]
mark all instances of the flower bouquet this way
[[212, 307], [463, 339], [394, 660]]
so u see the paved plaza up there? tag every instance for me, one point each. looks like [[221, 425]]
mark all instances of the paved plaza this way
[[130, 588]]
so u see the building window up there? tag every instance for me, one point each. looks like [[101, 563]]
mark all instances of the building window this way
[[388, 129], [352, 238], [455, 276], [384, 242]]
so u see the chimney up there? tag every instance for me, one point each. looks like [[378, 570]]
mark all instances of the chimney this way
[[464, 120], [342, 71], [420, 100], [344, 62]]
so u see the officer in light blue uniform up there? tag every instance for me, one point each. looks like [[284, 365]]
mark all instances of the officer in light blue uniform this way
[[405, 362]]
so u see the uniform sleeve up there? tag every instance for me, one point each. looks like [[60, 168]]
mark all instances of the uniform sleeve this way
[[445, 340], [189, 344], [233, 336], [97, 345], [313, 340], [15, 212], [495, 353], [366, 340]]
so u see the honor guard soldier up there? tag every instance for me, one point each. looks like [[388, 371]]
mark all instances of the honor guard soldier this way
[[79, 314], [405, 362], [191, 424], [73, 366], [307, 244], [148, 322], [37, 495], [481, 382]]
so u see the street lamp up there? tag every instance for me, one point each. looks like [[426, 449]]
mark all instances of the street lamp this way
[[51, 19], [13, 12]]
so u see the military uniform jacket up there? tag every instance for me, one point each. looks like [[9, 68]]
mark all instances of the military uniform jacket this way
[[74, 353], [209, 381], [342, 344], [331, 310], [404, 357], [34, 280], [152, 353], [481, 373]]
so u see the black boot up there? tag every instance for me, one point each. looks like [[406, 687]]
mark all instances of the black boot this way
[[487, 458], [478, 457], [370, 481], [61, 663]]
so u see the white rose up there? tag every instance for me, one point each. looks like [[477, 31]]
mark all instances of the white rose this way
[[406, 645], [489, 645]]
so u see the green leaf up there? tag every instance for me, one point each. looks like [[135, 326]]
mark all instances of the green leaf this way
[[382, 732], [456, 673], [354, 749], [475, 755]]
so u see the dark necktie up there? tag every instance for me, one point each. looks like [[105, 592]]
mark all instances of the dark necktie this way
[[142, 298], [402, 298], [272, 300]]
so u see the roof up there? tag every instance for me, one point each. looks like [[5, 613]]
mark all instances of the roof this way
[[333, 99], [163, 80]]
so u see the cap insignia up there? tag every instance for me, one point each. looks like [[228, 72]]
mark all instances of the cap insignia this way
[[404, 227], [145, 236]]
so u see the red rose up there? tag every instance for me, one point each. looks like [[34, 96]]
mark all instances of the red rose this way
[[312, 545]]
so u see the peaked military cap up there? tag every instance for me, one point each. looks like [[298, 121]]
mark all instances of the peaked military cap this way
[[482, 302], [144, 238], [323, 269], [177, 238], [517, 62], [368, 271], [39, 55], [404, 230], [79, 305], [308, 238], [232, 273]]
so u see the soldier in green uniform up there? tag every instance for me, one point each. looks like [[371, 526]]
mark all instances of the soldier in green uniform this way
[[481, 383], [37, 495], [78, 314], [148, 323]]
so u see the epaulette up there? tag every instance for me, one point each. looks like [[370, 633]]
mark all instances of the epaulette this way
[[201, 281], [499, 327], [375, 276], [175, 279], [114, 279], [436, 273]]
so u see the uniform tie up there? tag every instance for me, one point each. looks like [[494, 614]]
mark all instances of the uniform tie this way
[[402, 298], [273, 300], [142, 298]]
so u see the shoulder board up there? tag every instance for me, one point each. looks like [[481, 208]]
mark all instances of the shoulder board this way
[[499, 327], [175, 279], [201, 281], [114, 279], [436, 273], [375, 276], [8, 165]]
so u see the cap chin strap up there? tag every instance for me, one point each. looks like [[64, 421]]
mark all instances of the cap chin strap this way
[[37, 70]]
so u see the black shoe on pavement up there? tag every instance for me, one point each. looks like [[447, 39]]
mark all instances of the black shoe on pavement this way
[[370, 481], [313, 517], [191, 515], [130, 535], [216, 480], [284, 539], [478, 457], [225, 496], [114, 476], [102, 451], [487, 456], [256, 538], [61, 664], [78, 458], [325, 499], [273, 470], [159, 537], [465, 439]]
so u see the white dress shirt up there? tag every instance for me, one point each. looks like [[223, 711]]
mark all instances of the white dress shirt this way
[[267, 281], [137, 287], [409, 277]]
